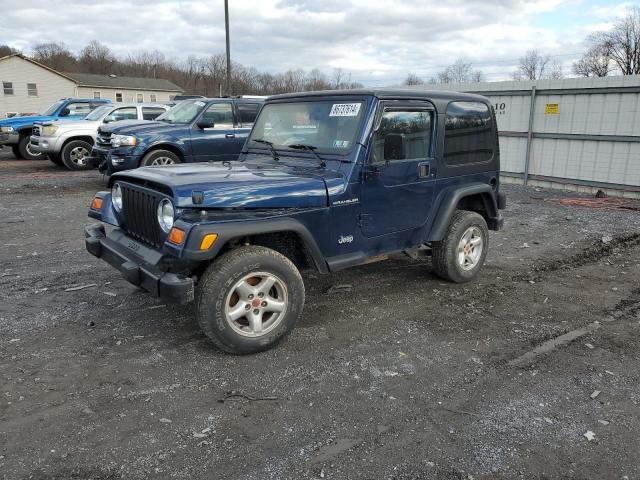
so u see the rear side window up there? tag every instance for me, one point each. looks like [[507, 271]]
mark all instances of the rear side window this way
[[469, 136], [150, 113], [248, 113], [82, 108]]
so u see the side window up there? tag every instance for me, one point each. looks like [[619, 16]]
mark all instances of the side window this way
[[220, 114], [403, 135], [248, 113], [32, 89], [8, 88], [125, 113], [469, 136], [80, 109], [150, 113]]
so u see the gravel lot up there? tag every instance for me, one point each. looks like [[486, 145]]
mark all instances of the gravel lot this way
[[404, 377]]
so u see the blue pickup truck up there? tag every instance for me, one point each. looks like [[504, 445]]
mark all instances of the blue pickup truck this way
[[326, 181], [15, 132], [197, 130]]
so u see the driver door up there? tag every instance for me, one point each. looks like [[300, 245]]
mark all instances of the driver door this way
[[397, 187], [217, 142]]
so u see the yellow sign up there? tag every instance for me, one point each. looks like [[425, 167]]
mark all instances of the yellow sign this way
[[552, 109]]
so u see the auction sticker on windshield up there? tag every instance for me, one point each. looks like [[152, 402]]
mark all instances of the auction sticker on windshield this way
[[345, 110]]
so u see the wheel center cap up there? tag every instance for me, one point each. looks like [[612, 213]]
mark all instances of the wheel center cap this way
[[255, 303]]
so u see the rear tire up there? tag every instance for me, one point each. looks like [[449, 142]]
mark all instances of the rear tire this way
[[249, 299], [73, 155], [158, 158], [55, 158], [25, 150], [459, 256]]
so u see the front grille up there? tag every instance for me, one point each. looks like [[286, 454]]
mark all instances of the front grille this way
[[37, 131], [103, 139], [139, 214]]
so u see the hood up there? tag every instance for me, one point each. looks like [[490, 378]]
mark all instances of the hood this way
[[20, 121], [72, 124], [136, 127], [241, 185]]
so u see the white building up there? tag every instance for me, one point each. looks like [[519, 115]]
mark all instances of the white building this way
[[29, 87]]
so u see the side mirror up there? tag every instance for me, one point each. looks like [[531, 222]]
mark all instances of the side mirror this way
[[65, 112], [108, 119], [202, 124], [394, 147]]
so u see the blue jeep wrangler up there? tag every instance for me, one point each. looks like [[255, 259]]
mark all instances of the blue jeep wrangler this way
[[326, 181], [198, 130], [16, 131]]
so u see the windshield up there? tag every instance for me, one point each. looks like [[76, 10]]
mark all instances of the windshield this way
[[98, 113], [183, 112], [325, 126], [52, 108]]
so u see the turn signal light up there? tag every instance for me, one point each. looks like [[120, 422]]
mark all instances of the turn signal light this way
[[96, 204], [208, 240], [176, 236]]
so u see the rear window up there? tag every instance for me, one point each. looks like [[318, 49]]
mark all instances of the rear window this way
[[469, 135]]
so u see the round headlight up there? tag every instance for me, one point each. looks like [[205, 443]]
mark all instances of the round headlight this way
[[116, 197], [165, 215]]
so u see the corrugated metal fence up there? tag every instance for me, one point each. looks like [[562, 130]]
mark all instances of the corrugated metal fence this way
[[578, 133]]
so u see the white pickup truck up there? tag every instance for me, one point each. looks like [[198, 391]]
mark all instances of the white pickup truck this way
[[68, 142]]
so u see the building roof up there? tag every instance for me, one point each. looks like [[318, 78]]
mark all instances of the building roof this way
[[107, 81], [129, 83]]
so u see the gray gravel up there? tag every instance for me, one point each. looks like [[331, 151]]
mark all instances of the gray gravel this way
[[404, 376]]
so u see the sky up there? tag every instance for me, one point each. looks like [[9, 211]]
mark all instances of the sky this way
[[376, 42]]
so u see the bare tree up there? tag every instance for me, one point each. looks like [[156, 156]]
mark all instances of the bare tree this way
[[555, 71], [459, 72], [6, 50], [96, 58], [55, 55], [595, 62], [412, 79], [622, 42], [533, 66]]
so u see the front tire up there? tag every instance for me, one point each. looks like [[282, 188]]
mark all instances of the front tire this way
[[459, 256], [25, 152], [249, 299], [16, 152], [158, 158], [74, 153]]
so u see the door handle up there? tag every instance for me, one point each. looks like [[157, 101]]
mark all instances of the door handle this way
[[424, 170], [230, 135]]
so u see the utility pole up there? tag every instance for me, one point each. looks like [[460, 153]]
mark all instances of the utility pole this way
[[226, 26]]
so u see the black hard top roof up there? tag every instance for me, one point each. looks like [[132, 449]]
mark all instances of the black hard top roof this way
[[389, 93]]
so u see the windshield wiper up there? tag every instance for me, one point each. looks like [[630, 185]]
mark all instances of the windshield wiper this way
[[269, 144], [309, 148]]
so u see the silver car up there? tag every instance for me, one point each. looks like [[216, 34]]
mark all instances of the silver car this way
[[68, 142]]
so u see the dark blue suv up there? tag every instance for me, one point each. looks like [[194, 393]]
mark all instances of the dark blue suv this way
[[326, 181], [198, 130]]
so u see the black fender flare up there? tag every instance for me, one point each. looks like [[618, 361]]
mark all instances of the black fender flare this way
[[449, 200], [232, 230]]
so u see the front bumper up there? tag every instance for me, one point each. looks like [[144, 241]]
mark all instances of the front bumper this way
[[45, 144], [9, 138], [138, 264], [114, 160]]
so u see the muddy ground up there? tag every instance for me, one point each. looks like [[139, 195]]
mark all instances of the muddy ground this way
[[404, 377]]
